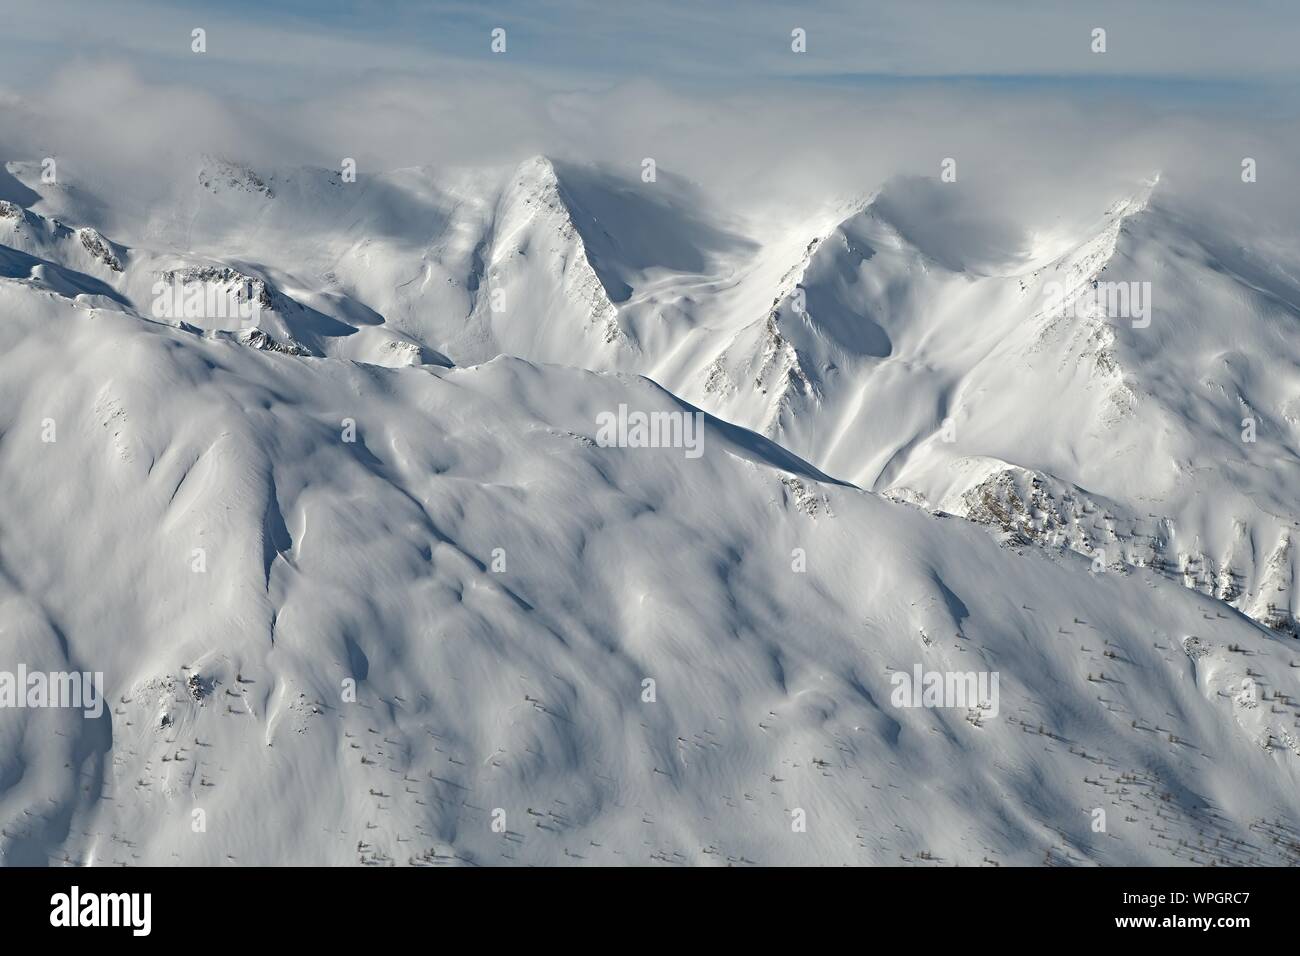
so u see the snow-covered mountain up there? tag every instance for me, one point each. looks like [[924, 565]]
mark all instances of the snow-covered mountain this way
[[1004, 392], [391, 477], [903, 344]]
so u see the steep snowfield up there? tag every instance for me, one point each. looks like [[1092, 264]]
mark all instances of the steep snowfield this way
[[943, 381], [500, 587], [521, 689], [906, 343], [415, 255]]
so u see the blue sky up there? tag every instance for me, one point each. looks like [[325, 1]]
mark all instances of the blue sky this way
[[290, 46], [710, 88]]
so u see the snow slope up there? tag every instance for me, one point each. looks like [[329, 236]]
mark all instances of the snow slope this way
[[499, 586], [953, 384], [907, 342]]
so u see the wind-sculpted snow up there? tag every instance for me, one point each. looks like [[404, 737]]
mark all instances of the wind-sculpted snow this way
[[562, 652]]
